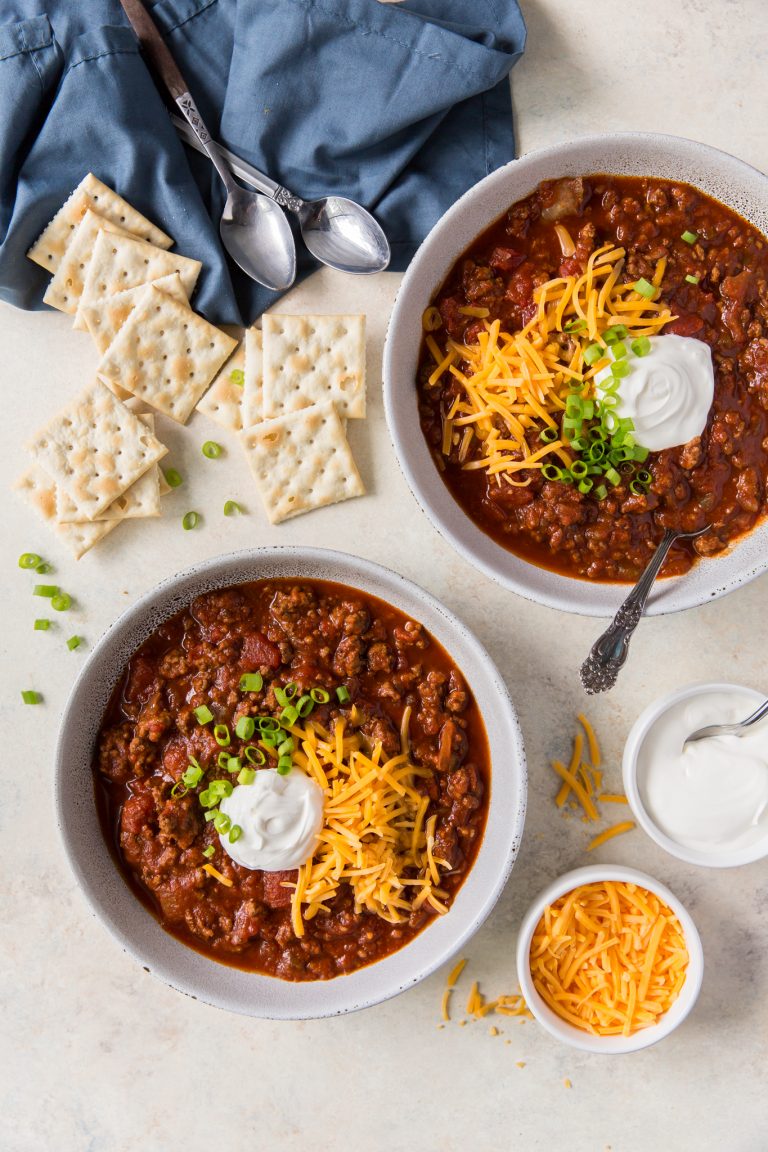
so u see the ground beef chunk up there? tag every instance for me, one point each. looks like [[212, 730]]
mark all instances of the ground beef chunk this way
[[348, 659], [380, 658], [276, 895], [180, 820]]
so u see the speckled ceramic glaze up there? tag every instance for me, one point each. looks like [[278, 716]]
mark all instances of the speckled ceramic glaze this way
[[133, 926], [729, 180]]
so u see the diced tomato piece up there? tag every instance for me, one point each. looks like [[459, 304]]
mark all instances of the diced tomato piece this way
[[506, 259], [275, 894], [256, 651]]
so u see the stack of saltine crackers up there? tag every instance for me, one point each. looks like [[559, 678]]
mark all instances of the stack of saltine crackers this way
[[95, 463], [288, 392]]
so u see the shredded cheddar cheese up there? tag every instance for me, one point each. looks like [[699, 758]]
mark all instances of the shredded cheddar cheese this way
[[515, 384], [214, 872], [376, 835], [477, 1006], [582, 783], [609, 833], [609, 957]]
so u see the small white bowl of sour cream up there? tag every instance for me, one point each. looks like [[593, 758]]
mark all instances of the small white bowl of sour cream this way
[[706, 804]]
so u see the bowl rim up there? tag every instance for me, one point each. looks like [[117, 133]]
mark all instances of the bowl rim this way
[[501, 565], [561, 1029], [411, 598], [637, 734]]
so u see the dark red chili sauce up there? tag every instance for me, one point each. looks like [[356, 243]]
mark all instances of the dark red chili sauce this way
[[719, 478], [315, 634]]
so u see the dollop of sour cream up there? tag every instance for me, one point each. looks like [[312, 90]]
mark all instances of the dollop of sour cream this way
[[712, 797], [667, 393], [280, 817]]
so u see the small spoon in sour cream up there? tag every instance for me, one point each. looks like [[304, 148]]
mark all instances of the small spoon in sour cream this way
[[739, 729]]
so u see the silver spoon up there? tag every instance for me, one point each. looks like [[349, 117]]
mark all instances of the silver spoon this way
[[337, 231], [608, 654], [253, 229], [728, 729]]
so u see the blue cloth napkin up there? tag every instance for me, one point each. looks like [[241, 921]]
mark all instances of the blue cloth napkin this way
[[399, 106]]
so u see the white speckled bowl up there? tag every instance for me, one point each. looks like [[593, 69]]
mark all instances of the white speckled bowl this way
[[132, 925], [568, 1033], [729, 180]]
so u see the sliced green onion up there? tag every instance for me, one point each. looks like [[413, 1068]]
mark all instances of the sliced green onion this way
[[609, 400], [641, 346], [190, 520], [619, 369], [692, 279], [203, 714], [289, 716], [587, 409], [574, 405], [222, 822], [220, 788], [619, 350], [575, 325], [208, 798], [304, 705], [645, 288], [237, 376], [245, 727], [232, 508], [251, 682], [343, 695], [578, 469], [222, 759], [601, 492], [234, 764], [46, 590], [192, 775], [286, 747], [593, 353], [689, 237], [209, 851], [246, 776], [548, 435], [597, 433], [254, 755], [211, 450], [173, 478], [637, 487], [614, 333], [640, 454], [43, 567], [612, 476], [267, 723], [179, 789], [211, 815], [596, 452], [270, 738], [29, 560], [585, 485], [284, 765], [235, 833], [74, 642], [552, 472], [319, 695], [42, 625], [291, 690], [221, 735], [61, 602], [30, 697], [644, 476]]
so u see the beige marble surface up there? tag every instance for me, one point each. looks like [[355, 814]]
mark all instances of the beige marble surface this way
[[98, 1056]]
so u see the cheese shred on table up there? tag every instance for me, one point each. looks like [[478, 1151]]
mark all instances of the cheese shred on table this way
[[514, 385], [609, 957], [376, 836], [582, 783]]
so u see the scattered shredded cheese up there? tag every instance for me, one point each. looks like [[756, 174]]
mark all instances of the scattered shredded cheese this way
[[582, 783], [477, 1006], [609, 833], [209, 868], [609, 957], [376, 835]]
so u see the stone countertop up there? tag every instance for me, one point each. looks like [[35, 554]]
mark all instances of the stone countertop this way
[[100, 1057]]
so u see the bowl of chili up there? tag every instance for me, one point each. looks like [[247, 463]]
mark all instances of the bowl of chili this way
[[357, 669], [538, 493]]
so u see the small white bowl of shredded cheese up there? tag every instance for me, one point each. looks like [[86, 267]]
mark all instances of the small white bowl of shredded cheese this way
[[705, 803]]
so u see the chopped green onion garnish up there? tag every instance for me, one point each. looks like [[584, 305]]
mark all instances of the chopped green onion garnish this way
[[619, 350], [74, 642], [237, 376], [29, 560], [61, 602], [585, 485], [574, 405], [254, 755], [601, 492], [615, 332], [286, 747], [267, 723], [291, 690], [251, 682], [619, 369], [638, 487], [221, 735], [222, 822], [235, 833], [342, 694], [612, 476], [172, 478], [192, 775], [692, 279], [246, 776], [212, 450], [245, 727], [304, 705], [234, 764], [222, 759], [641, 346], [284, 765], [209, 851], [179, 789], [30, 697], [289, 716], [548, 435], [593, 353], [43, 567], [644, 476], [645, 288], [42, 625], [640, 454], [232, 508], [212, 814], [220, 788], [578, 469], [189, 520], [203, 714], [208, 799], [689, 237], [319, 695], [47, 590], [575, 325], [552, 472]]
